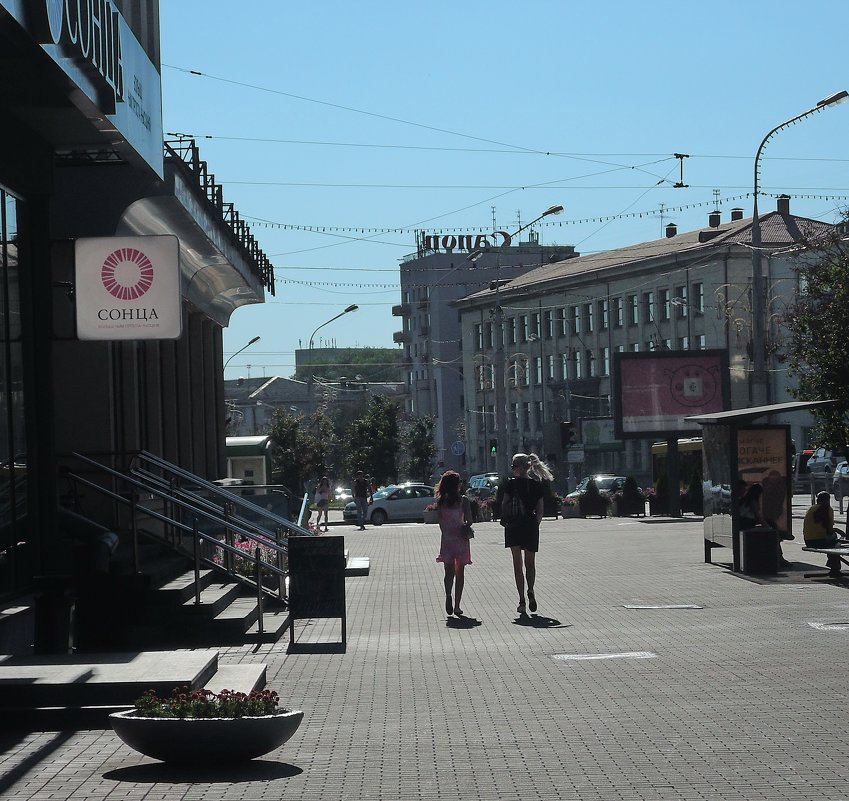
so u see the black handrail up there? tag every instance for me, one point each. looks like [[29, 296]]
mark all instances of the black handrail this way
[[207, 511]]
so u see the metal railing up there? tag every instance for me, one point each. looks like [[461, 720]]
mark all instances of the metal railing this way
[[187, 506]]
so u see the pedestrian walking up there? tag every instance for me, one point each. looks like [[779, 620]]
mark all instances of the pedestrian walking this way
[[361, 493], [521, 513], [322, 502], [454, 514]]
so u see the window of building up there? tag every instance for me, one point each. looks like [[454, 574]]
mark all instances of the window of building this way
[[478, 334], [526, 416], [605, 361], [514, 416], [511, 331], [603, 315], [683, 343], [588, 317], [700, 342], [680, 301], [618, 313], [576, 319], [538, 415], [633, 310], [550, 371], [538, 370], [648, 306], [563, 322], [548, 324], [591, 365], [698, 294], [564, 366], [487, 336], [523, 327], [665, 304], [535, 324], [578, 362], [635, 347]]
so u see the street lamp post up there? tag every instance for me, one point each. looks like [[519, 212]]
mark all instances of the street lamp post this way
[[353, 307], [255, 339], [501, 434], [760, 377]]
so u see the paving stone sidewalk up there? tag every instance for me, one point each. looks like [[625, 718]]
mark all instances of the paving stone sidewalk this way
[[733, 691]]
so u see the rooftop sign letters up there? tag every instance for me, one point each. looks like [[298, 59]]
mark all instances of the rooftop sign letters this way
[[470, 242]]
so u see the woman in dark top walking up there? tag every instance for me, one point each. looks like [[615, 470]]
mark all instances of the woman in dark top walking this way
[[521, 512]]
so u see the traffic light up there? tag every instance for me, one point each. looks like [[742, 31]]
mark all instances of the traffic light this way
[[567, 434], [493, 447]]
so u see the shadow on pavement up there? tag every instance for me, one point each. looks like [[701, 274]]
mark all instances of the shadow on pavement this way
[[462, 622], [252, 771], [540, 622]]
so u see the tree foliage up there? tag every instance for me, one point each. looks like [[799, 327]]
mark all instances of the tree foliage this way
[[300, 448], [818, 323], [418, 450], [372, 441]]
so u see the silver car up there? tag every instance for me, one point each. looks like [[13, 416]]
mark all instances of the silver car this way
[[396, 503]]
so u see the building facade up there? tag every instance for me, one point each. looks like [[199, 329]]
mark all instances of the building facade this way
[[542, 345], [431, 334], [82, 156]]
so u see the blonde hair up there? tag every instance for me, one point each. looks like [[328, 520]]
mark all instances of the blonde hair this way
[[535, 466]]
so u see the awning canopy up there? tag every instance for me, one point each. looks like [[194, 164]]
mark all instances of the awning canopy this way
[[744, 415]]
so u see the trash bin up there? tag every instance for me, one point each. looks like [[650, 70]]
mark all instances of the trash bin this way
[[759, 551]]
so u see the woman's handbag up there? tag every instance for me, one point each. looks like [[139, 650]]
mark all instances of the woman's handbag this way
[[467, 531]]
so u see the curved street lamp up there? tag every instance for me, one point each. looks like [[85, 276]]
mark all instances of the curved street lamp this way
[[352, 308], [255, 339], [501, 434], [760, 380]]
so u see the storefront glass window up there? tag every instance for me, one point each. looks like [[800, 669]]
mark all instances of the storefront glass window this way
[[13, 457]]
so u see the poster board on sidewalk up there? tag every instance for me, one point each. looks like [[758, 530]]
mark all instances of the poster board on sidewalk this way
[[316, 580]]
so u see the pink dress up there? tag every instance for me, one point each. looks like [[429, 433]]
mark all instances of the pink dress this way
[[454, 547]]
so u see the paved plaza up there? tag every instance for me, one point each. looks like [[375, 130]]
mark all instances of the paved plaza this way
[[646, 674]]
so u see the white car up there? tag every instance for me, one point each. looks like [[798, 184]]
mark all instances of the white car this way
[[396, 503], [824, 460]]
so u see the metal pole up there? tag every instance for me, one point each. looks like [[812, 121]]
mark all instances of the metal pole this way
[[760, 374], [258, 557]]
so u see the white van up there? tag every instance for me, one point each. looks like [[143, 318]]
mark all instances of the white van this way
[[823, 460]]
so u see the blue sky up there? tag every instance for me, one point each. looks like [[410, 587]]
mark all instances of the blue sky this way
[[363, 116]]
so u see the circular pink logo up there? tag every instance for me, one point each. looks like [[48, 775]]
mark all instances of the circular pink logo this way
[[127, 273]]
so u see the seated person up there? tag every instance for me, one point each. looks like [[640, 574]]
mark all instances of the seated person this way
[[819, 532]]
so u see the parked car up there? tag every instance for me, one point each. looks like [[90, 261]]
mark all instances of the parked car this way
[[396, 503], [343, 494], [482, 486], [824, 460], [840, 482], [606, 483]]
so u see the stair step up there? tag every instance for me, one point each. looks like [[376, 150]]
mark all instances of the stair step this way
[[274, 623], [182, 587], [358, 566], [240, 613], [213, 599], [85, 680], [239, 678]]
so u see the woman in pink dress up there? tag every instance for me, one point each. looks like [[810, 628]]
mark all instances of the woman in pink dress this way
[[453, 512]]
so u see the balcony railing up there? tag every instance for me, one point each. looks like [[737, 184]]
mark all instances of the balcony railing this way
[[185, 154]]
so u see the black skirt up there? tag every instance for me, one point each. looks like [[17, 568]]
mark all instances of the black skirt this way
[[524, 535]]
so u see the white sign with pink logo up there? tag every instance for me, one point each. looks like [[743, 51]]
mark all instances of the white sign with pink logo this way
[[128, 287]]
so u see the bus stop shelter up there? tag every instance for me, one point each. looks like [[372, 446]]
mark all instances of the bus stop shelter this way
[[743, 448]]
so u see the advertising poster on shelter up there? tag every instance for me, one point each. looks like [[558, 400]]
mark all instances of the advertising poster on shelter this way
[[762, 458]]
